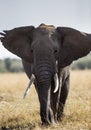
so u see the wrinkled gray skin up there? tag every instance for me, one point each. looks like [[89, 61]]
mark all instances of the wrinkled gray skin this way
[[47, 50]]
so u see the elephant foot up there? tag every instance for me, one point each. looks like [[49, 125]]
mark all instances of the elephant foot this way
[[60, 118], [49, 119], [47, 123]]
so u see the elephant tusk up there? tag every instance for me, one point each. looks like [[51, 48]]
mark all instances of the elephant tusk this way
[[56, 66], [56, 83], [28, 87]]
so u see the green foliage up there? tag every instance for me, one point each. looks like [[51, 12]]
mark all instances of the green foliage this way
[[16, 66], [83, 63], [11, 65], [2, 66], [7, 62]]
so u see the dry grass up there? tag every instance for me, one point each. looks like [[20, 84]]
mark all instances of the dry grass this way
[[23, 114]]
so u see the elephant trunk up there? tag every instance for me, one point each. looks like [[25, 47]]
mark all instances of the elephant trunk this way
[[43, 74]]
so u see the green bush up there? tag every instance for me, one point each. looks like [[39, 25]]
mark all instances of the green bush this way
[[2, 66], [83, 63], [11, 65]]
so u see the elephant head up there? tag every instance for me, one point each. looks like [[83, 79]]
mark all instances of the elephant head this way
[[44, 50]]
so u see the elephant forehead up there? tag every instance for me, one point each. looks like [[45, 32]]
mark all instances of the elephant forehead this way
[[42, 32]]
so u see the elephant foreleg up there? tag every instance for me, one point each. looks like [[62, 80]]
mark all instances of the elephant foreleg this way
[[54, 104], [63, 97]]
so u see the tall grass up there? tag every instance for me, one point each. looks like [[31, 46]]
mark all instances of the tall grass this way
[[23, 114]]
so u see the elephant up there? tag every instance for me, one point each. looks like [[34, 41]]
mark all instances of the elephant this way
[[47, 53]]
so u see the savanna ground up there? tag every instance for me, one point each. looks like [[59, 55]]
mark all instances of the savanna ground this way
[[17, 113]]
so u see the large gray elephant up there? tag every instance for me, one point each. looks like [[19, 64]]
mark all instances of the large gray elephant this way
[[47, 53]]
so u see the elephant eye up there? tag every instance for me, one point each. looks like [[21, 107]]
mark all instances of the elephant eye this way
[[55, 52], [31, 50]]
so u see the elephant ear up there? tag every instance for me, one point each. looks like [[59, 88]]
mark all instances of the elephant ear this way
[[75, 44], [18, 41]]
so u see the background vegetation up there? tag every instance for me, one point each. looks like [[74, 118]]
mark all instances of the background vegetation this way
[[15, 65], [11, 65], [82, 63]]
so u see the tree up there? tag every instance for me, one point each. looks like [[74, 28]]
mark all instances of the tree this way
[[8, 64]]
